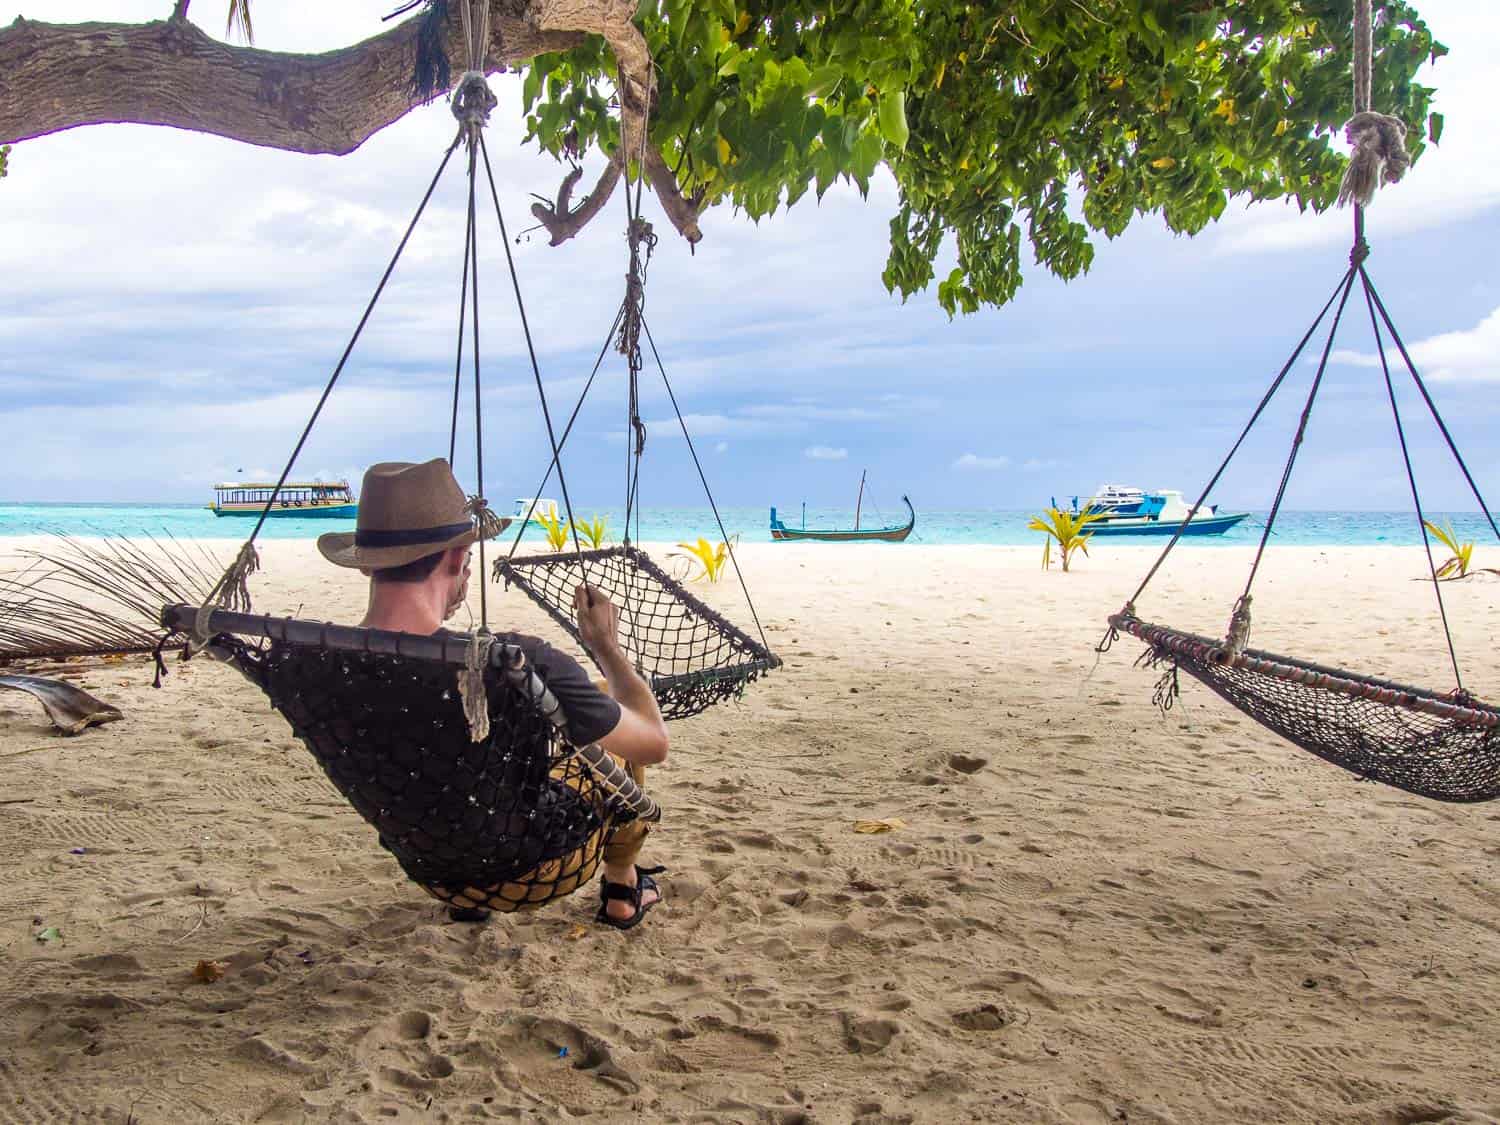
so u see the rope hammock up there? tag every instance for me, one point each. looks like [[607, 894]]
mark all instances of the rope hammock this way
[[506, 823], [1445, 746], [452, 746], [689, 653]]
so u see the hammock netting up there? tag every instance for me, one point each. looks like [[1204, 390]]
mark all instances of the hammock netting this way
[[1443, 747], [690, 654], [507, 823]]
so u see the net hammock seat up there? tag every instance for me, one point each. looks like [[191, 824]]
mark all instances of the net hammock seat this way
[[510, 822], [1444, 747], [690, 654]]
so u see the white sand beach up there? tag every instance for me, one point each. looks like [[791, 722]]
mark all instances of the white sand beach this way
[[1093, 913]]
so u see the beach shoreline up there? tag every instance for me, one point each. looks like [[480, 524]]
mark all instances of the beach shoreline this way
[[1089, 912]]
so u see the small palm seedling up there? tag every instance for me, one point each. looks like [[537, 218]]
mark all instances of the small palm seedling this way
[[592, 530], [711, 558], [1067, 529], [1463, 553], [557, 531]]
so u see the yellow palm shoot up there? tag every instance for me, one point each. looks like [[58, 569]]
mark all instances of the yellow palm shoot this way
[[1067, 529]]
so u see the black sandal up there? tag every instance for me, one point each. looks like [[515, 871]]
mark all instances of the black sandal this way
[[612, 892], [468, 914]]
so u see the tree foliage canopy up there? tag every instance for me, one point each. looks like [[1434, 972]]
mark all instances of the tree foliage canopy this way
[[1009, 126], [1002, 121]]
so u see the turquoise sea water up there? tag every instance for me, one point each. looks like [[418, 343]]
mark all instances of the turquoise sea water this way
[[752, 524]]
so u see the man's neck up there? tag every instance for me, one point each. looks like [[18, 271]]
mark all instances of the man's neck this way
[[403, 607]]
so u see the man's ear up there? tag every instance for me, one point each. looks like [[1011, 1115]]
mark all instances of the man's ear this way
[[454, 564]]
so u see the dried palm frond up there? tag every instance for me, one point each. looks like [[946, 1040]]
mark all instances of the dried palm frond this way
[[95, 597]]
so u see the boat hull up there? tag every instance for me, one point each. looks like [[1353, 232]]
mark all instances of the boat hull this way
[[286, 508], [1204, 525], [884, 534], [781, 533]]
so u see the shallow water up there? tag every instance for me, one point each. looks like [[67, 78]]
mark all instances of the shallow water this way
[[188, 521]]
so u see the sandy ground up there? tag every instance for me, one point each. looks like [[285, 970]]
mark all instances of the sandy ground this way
[[1094, 913]]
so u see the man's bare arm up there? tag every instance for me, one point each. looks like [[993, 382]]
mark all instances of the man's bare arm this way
[[641, 734]]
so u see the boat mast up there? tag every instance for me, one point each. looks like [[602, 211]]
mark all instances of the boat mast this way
[[861, 498]]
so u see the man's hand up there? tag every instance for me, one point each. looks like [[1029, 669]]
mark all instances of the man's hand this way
[[598, 620]]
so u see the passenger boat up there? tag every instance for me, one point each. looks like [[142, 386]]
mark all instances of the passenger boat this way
[[305, 499], [780, 532], [1131, 511]]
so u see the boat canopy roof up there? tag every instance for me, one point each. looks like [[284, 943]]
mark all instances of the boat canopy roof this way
[[330, 485]]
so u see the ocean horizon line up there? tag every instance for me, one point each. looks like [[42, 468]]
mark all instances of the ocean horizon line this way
[[675, 524]]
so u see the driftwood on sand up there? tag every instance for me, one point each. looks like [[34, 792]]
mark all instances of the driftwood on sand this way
[[82, 598], [71, 709]]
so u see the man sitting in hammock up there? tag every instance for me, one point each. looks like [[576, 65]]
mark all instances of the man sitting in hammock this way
[[413, 539]]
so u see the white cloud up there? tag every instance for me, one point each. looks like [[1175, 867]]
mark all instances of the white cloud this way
[[722, 447], [1469, 355], [1035, 464], [975, 461], [825, 453]]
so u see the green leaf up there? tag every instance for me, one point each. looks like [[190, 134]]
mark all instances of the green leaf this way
[[1435, 127], [824, 79], [51, 933], [892, 112]]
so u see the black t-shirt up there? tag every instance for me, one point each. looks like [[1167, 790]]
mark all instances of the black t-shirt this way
[[391, 735]]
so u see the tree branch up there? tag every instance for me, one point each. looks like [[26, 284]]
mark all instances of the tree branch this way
[[563, 223], [683, 211], [614, 20], [170, 72]]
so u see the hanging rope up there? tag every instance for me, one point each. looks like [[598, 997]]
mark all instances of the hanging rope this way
[[232, 590], [536, 370], [1411, 479], [1129, 610], [1379, 139], [697, 464]]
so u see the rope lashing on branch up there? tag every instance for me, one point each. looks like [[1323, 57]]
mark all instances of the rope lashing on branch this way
[[1379, 140], [473, 100]]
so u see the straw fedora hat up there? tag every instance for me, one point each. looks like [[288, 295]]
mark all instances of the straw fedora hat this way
[[406, 512]]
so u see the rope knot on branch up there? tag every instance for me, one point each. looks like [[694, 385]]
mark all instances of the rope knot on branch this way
[[1379, 156], [473, 99], [485, 521]]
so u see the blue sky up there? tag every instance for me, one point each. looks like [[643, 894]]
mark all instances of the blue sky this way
[[171, 304]]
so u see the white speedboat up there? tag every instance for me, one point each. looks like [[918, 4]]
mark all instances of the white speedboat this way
[[1133, 511], [545, 509]]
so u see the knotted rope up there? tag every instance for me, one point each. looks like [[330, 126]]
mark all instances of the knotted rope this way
[[471, 684], [231, 592], [1238, 636], [1379, 139], [486, 522]]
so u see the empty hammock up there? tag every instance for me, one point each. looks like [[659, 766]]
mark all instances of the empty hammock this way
[[690, 654], [1445, 746]]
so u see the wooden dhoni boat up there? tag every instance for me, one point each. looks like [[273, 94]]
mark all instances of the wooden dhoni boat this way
[[780, 532]]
